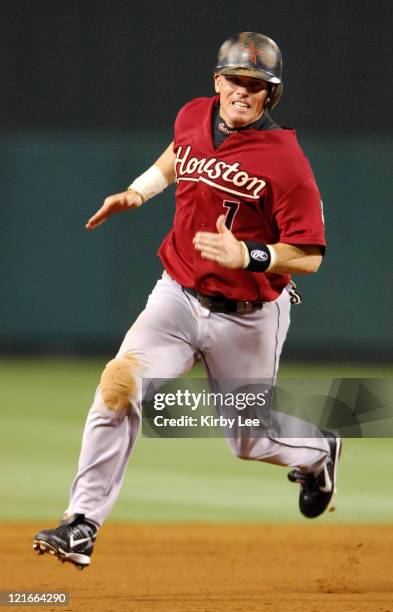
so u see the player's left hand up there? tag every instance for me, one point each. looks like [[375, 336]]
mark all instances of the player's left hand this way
[[223, 248]]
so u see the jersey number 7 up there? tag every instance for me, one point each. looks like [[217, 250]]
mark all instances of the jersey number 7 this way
[[232, 208]]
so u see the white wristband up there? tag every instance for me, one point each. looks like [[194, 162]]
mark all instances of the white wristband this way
[[150, 183]]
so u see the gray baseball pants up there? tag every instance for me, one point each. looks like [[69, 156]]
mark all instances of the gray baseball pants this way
[[168, 338]]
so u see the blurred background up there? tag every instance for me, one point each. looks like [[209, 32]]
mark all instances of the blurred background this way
[[89, 93]]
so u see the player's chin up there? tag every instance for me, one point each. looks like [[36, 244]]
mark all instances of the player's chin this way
[[240, 118]]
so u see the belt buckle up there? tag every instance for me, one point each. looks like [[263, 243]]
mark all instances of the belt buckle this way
[[244, 306], [248, 306]]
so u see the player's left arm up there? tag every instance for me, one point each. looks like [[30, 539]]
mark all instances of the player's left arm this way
[[280, 258], [295, 259]]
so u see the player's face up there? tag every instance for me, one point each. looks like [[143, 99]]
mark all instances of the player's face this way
[[242, 98]]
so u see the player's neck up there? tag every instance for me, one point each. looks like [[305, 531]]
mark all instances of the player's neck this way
[[231, 129]]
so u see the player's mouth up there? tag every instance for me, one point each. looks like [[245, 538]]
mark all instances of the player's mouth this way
[[242, 106]]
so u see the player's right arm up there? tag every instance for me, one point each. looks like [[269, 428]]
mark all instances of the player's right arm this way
[[162, 170]]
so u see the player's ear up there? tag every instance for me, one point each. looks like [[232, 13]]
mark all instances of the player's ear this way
[[217, 82], [268, 95]]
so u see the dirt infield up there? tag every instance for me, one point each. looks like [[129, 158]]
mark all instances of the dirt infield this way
[[213, 568]]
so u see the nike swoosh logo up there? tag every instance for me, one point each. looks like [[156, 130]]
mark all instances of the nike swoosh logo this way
[[74, 543]]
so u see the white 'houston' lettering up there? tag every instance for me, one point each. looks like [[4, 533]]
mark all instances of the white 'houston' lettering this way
[[185, 166], [240, 179]]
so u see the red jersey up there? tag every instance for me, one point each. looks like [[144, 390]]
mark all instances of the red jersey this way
[[260, 179]]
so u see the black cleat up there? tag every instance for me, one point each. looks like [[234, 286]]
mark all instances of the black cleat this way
[[317, 489], [72, 541]]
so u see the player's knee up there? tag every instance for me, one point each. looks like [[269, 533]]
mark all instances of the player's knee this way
[[118, 384]]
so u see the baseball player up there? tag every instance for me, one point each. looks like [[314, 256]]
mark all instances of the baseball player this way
[[248, 215]]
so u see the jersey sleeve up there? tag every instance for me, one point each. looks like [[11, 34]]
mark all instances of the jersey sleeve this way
[[299, 216]]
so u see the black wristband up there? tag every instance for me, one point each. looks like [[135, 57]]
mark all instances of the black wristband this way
[[260, 256]]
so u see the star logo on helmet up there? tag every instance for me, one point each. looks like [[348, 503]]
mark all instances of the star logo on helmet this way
[[250, 48]]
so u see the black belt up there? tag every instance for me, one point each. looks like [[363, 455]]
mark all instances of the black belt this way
[[219, 303]]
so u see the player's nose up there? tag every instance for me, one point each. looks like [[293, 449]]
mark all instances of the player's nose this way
[[242, 90], [240, 87]]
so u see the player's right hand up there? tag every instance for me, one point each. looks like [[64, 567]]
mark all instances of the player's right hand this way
[[113, 204]]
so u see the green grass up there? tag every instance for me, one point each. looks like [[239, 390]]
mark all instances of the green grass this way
[[43, 408]]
